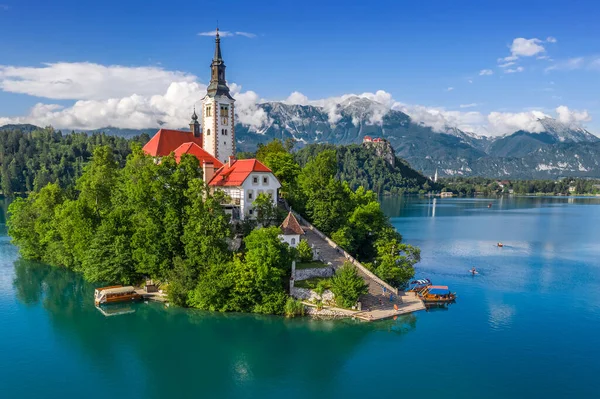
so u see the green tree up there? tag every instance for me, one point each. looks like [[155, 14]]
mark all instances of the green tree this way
[[395, 261], [348, 286], [273, 147], [286, 169], [261, 278], [305, 252], [266, 212], [98, 181]]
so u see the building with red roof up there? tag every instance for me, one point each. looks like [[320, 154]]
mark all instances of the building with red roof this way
[[197, 151], [165, 141], [243, 181], [291, 230]]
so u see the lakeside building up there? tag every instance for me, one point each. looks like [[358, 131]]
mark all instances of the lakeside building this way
[[213, 144], [291, 231]]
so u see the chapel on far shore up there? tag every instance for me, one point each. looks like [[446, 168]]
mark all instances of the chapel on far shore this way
[[214, 146]]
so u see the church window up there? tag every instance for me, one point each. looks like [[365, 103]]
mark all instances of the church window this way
[[224, 110], [208, 132], [293, 241], [208, 111]]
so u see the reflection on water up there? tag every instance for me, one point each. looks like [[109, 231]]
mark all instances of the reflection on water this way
[[244, 348], [535, 306]]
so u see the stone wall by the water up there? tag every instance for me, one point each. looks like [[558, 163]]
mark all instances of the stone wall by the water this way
[[305, 294]]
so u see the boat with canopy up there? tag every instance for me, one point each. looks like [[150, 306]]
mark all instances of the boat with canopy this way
[[115, 293], [437, 294]]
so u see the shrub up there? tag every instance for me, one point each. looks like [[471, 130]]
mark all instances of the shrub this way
[[293, 308], [305, 252], [347, 286]]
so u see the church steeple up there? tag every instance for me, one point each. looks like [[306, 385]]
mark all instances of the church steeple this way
[[195, 125], [218, 114], [218, 85]]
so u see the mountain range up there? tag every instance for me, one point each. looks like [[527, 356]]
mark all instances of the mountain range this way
[[558, 151]]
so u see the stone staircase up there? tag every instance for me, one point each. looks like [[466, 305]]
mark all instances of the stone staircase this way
[[375, 298]]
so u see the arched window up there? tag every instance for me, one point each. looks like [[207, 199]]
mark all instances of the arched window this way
[[208, 132], [293, 241]]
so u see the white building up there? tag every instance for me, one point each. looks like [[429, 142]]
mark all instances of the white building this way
[[243, 181], [291, 231]]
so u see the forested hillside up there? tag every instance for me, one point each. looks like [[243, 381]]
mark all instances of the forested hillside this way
[[33, 157], [361, 166]]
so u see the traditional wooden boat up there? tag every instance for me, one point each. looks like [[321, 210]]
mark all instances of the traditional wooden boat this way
[[114, 294], [437, 294], [418, 285], [500, 245]]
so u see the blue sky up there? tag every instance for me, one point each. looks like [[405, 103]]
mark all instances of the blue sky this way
[[427, 54]]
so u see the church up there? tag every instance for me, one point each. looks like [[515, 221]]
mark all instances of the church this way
[[214, 146]]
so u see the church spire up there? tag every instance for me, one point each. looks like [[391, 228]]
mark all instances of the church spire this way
[[218, 84], [217, 56]]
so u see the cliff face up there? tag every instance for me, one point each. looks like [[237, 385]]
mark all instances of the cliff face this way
[[383, 149]]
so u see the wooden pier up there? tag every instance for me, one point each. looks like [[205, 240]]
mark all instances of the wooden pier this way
[[152, 296]]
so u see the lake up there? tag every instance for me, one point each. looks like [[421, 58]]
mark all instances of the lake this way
[[528, 326]]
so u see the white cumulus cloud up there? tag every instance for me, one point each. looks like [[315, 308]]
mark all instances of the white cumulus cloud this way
[[87, 81], [170, 105], [522, 47]]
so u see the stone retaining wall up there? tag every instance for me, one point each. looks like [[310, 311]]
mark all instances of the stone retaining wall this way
[[307, 295], [305, 274], [324, 313], [348, 257]]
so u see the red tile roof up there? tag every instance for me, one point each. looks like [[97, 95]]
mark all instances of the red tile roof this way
[[291, 226], [237, 173], [198, 152], [166, 141]]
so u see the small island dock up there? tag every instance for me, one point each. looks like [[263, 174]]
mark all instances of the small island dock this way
[[376, 304], [152, 296]]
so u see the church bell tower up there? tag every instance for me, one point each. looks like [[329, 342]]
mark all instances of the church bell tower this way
[[218, 116]]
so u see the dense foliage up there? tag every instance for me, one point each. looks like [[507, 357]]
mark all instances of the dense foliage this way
[[352, 218], [112, 213], [32, 158], [347, 286], [485, 186], [360, 166], [119, 225]]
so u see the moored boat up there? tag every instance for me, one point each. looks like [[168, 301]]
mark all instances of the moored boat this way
[[437, 294], [418, 285], [114, 294]]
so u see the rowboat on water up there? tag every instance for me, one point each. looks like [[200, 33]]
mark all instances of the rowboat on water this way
[[114, 294], [437, 294]]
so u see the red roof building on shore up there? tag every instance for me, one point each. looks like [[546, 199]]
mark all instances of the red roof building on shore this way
[[165, 141], [235, 172], [197, 151]]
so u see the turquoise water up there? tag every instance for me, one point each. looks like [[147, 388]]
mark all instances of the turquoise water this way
[[527, 326]]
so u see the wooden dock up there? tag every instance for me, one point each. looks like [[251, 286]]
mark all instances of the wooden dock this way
[[152, 296], [406, 303]]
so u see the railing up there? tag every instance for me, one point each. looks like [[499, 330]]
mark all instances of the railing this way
[[341, 250]]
